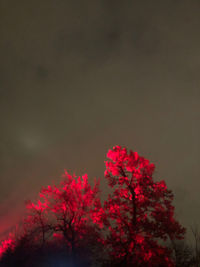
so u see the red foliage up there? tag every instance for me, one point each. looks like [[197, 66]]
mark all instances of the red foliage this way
[[140, 211], [7, 244], [68, 211], [136, 216]]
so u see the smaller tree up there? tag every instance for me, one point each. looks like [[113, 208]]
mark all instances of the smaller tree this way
[[69, 213]]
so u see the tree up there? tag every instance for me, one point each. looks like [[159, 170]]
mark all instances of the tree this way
[[68, 214], [183, 254], [196, 236], [140, 212]]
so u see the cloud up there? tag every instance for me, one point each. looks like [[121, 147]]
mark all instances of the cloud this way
[[80, 77]]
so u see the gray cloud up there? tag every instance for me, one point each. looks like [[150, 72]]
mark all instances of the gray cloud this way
[[79, 77]]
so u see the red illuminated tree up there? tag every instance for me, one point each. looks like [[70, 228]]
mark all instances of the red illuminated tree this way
[[140, 212], [68, 213]]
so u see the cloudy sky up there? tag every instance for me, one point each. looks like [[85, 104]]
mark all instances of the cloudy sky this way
[[78, 77]]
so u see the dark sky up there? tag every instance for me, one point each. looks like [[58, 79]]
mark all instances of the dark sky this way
[[78, 77]]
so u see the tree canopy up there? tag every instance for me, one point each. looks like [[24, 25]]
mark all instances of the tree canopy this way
[[129, 228], [140, 210]]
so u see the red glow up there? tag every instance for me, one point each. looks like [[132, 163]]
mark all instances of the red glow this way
[[7, 244], [133, 219]]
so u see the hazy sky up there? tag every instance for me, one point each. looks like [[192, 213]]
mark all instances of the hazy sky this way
[[78, 77]]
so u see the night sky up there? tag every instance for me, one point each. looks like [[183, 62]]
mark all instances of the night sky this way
[[78, 77]]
